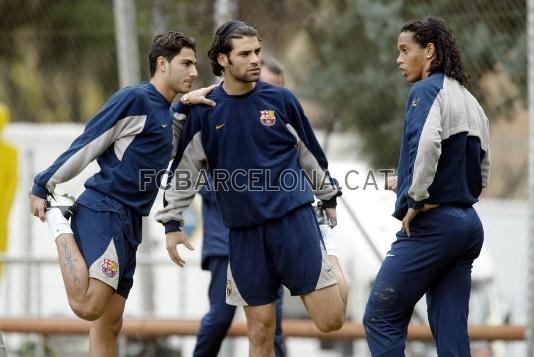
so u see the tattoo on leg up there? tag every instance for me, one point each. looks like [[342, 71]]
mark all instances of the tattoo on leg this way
[[70, 262]]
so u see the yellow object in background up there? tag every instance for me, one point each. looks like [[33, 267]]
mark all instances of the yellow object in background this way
[[8, 181]]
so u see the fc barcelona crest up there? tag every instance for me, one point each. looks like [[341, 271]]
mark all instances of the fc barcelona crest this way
[[110, 267], [267, 117]]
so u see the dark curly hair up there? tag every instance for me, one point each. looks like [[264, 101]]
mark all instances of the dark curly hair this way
[[222, 41], [448, 58], [168, 45]]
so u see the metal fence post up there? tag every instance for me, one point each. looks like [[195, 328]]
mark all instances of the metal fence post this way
[[530, 70]]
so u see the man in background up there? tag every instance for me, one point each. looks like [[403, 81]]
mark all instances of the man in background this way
[[272, 71]]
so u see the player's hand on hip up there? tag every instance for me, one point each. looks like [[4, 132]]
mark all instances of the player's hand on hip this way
[[198, 96], [173, 240], [412, 213], [332, 214], [391, 184], [37, 207]]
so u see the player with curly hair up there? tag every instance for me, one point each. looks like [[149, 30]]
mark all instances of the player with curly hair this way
[[443, 167]]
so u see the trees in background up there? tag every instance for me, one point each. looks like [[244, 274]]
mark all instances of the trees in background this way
[[352, 71], [57, 58], [58, 63]]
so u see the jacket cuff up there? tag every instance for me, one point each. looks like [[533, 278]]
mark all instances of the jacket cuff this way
[[416, 204], [39, 191], [180, 108], [172, 226]]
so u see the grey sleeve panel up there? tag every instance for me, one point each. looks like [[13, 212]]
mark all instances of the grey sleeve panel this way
[[77, 162], [428, 153], [320, 181], [134, 126], [463, 113], [177, 129], [183, 188], [458, 111]]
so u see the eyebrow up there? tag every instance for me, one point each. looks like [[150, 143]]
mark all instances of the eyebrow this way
[[248, 51]]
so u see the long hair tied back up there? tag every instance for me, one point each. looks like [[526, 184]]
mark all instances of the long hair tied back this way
[[448, 58]]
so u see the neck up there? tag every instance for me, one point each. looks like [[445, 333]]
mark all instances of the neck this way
[[426, 70], [233, 86], [164, 89]]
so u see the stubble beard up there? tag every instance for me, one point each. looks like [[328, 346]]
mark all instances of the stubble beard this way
[[245, 77]]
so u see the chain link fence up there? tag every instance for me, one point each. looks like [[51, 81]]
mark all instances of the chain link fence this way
[[58, 62]]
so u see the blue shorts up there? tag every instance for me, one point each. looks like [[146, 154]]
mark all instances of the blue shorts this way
[[286, 251], [103, 238]]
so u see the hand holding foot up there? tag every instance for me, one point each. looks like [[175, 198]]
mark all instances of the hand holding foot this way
[[37, 207]]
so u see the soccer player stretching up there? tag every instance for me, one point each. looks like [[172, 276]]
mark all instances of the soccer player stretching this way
[[254, 138], [132, 133]]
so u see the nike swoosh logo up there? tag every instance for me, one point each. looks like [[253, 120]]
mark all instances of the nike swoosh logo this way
[[217, 127]]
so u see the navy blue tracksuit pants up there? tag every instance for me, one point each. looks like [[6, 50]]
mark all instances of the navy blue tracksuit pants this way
[[436, 260], [216, 322]]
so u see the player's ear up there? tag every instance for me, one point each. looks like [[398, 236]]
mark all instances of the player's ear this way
[[162, 64], [222, 59], [431, 50]]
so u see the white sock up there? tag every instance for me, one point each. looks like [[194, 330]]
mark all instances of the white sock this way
[[328, 239], [57, 223]]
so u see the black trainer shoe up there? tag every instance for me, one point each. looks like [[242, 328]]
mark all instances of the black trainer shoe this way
[[66, 204]]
